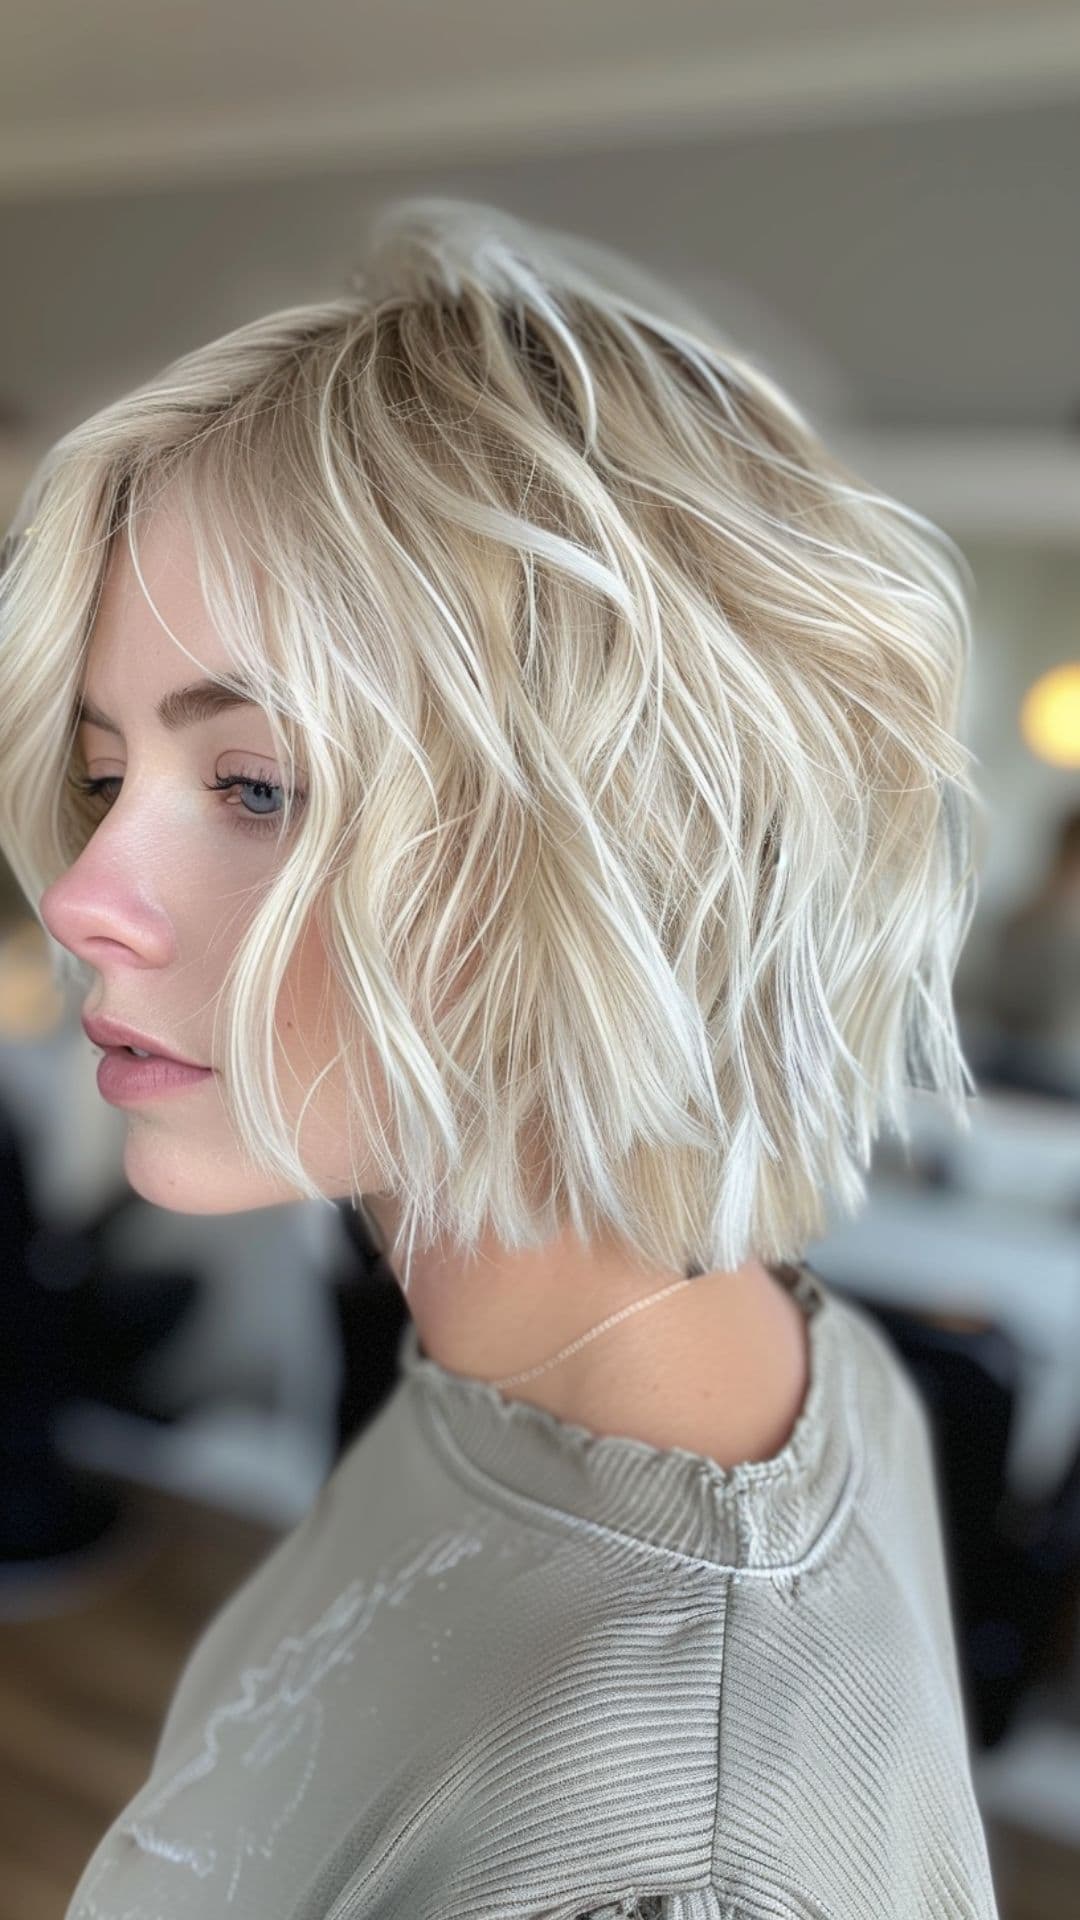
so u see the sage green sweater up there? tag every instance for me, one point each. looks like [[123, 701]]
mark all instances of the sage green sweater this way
[[507, 1668]]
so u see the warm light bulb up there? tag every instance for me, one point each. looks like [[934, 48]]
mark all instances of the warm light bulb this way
[[1050, 715]]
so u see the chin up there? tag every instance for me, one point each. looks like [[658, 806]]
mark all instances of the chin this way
[[189, 1182]]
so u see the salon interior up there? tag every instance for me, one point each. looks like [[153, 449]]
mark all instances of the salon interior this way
[[882, 207]]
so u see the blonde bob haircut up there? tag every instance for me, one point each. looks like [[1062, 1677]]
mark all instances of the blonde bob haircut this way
[[638, 831]]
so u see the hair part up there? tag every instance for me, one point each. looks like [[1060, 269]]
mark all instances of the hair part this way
[[638, 829]]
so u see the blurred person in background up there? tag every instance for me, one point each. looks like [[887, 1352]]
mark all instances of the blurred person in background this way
[[474, 737]]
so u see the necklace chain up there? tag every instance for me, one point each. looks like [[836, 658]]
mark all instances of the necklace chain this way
[[514, 1379]]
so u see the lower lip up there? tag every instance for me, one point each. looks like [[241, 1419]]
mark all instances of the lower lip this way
[[123, 1078]]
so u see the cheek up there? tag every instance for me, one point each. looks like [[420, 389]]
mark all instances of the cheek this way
[[305, 1010], [306, 1043]]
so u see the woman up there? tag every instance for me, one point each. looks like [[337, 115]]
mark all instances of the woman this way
[[478, 727]]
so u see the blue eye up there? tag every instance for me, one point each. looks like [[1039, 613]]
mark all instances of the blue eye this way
[[263, 822]]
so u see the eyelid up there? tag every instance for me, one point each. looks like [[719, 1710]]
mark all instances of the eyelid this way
[[299, 778], [91, 787]]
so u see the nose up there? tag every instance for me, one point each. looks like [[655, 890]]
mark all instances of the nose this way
[[101, 914]]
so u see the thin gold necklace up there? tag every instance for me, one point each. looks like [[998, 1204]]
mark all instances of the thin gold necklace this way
[[515, 1379]]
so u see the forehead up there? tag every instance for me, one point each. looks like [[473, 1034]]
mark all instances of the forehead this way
[[130, 644]]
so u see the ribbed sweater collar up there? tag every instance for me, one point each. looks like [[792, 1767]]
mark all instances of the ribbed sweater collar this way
[[766, 1514]]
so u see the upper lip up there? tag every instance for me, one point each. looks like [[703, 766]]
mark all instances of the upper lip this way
[[112, 1033]]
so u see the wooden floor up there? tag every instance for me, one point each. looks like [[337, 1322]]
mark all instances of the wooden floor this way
[[83, 1691]]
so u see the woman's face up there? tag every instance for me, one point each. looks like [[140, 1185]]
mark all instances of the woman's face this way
[[161, 894]]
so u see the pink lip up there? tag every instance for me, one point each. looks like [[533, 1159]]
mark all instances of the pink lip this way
[[124, 1080], [113, 1033]]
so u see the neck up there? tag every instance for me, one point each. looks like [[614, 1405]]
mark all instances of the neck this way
[[666, 1369]]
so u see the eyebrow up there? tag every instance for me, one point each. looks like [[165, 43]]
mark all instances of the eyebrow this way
[[182, 707]]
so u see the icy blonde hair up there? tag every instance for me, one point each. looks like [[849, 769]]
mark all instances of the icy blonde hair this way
[[637, 827]]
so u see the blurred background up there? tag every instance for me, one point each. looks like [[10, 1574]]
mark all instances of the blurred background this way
[[877, 199]]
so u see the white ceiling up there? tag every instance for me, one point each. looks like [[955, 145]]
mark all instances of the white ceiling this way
[[878, 196]]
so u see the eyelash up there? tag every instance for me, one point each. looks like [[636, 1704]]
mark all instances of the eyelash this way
[[250, 823]]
